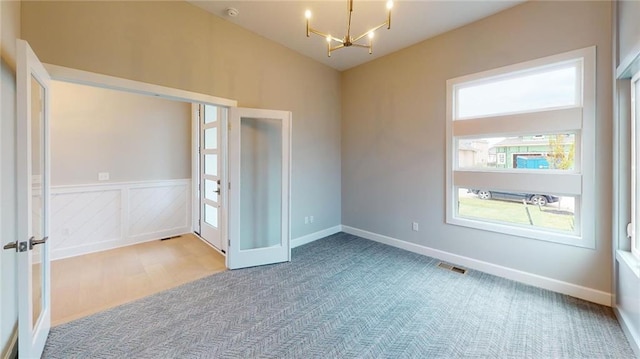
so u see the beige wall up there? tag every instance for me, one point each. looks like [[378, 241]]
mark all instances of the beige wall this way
[[179, 45], [9, 31], [133, 137], [393, 136]]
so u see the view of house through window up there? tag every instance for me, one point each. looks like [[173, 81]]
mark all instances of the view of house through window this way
[[521, 149], [543, 211], [555, 151]]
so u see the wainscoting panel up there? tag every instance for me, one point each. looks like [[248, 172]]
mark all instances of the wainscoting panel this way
[[97, 217], [157, 209]]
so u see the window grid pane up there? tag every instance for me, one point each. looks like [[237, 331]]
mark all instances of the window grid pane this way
[[539, 211], [211, 138], [532, 91], [541, 152]]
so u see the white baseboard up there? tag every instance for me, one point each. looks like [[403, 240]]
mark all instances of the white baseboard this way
[[632, 337], [296, 242], [589, 294], [11, 350], [116, 243]]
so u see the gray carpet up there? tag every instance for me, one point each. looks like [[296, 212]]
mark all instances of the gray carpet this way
[[347, 297]]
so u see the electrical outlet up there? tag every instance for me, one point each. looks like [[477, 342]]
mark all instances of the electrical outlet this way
[[306, 220], [415, 226], [310, 219], [103, 176]]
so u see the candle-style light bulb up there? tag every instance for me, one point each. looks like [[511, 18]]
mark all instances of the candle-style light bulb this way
[[307, 15], [371, 35]]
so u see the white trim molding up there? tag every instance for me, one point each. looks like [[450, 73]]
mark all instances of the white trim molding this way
[[632, 336], [11, 350], [66, 74], [96, 217], [589, 294], [297, 242]]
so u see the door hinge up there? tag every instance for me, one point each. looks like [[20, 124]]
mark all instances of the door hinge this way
[[630, 230], [229, 186], [229, 243]]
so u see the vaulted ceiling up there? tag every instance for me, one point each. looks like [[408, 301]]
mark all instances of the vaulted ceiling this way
[[412, 22]]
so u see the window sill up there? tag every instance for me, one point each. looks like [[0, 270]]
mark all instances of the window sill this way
[[514, 230], [629, 260]]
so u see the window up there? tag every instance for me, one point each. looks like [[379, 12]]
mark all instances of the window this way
[[521, 149], [635, 164]]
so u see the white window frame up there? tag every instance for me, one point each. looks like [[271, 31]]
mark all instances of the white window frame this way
[[578, 182], [635, 166]]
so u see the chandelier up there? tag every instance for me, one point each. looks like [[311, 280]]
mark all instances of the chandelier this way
[[348, 40]]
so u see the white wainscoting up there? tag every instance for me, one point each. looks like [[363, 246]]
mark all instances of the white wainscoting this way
[[96, 217]]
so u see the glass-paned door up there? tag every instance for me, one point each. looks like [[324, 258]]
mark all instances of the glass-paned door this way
[[211, 170], [259, 174], [34, 312]]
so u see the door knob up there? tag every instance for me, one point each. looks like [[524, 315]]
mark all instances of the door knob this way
[[12, 245], [18, 246], [33, 242]]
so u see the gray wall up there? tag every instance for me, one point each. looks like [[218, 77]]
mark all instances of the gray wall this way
[[393, 136], [178, 45], [133, 137], [629, 28], [10, 29]]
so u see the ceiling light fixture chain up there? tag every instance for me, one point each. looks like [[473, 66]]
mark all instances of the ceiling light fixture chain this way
[[348, 41]]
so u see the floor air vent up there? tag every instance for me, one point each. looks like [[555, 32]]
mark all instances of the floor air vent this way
[[452, 268]]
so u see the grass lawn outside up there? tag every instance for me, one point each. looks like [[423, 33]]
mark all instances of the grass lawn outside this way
[[547, 217]]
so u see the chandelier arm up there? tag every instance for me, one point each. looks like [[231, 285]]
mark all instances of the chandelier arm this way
[[371, 30], [331, 49], [348, 37], [361, 45], [320, 33]]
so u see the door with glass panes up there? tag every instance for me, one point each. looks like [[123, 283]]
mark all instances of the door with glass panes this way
[[211, 175]]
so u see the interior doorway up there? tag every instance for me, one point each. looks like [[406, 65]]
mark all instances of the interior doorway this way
[[120, 236]]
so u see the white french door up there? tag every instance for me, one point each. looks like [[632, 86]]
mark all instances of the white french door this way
[[34, 278], [212, 155], [259, 176]]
